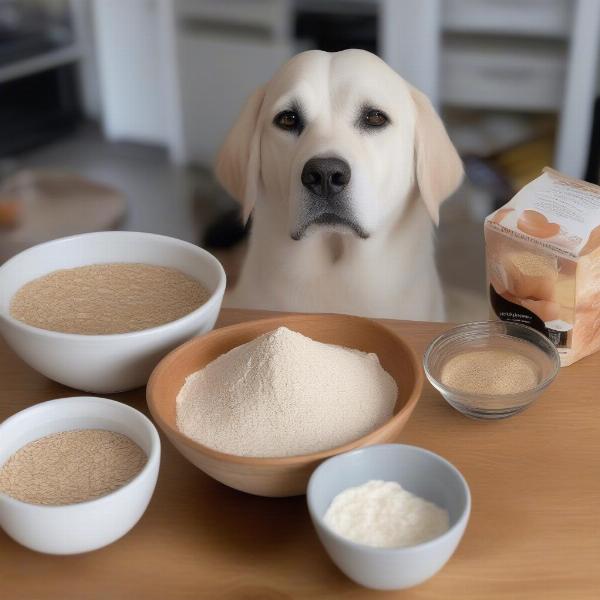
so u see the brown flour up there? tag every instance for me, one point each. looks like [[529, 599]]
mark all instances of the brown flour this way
[[107, 298], [490, 372], [71, 466]]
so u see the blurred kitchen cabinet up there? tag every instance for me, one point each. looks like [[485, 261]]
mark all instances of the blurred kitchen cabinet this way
[[528, 56], [509, 55], [176, 72], [225, 50], [515, 17], [497, 74]]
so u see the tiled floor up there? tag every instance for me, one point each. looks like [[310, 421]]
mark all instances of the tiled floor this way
[[179, 202]]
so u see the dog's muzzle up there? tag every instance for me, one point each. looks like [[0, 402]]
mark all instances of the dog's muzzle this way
[[331, 220], [326, 203]]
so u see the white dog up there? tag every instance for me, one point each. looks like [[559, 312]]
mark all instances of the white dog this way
[[344, 166]]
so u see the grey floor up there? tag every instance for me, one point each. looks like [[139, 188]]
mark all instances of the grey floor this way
[[162, 198], [461, 254]]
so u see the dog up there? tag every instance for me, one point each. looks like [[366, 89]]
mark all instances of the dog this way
[[344, 166]]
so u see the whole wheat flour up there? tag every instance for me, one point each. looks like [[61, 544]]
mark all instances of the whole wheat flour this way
[[284, 394], [107, 298], [71, 466]]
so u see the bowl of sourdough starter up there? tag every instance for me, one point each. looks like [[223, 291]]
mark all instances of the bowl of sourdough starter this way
[[98, 311], [491, 369], [257, 406]]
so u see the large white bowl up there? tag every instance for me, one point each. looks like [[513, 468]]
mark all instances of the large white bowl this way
[[106, 363], [84, 526]]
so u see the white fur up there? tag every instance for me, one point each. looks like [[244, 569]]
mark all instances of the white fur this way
[[400, 176]]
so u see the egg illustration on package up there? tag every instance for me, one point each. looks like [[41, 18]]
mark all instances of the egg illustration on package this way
[[535, 223]]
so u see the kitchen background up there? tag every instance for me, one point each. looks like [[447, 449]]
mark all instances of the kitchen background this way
[[111, 111]]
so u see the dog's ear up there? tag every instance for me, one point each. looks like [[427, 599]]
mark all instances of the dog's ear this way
[[238, 162], [438, 166]]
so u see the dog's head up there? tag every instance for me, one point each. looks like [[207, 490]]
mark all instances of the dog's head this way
[[338, 140]]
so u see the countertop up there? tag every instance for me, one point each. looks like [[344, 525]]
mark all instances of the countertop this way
[[534, 530]]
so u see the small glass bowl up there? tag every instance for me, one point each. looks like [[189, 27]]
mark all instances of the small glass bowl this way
[[491, 335]]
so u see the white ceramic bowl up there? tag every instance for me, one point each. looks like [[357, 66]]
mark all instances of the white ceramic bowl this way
[[85, 526], [417, 470], [106, 363]]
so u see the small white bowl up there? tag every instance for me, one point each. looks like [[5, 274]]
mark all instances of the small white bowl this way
[[417, 470], [106, 363], [85, 526]]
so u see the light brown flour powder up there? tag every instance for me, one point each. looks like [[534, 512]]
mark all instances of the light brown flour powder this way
[[534, 265], [71, 466], [107, 298], [284, 394], [490, 372]]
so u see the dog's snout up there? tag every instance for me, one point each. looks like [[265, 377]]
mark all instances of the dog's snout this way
[[325, 177]]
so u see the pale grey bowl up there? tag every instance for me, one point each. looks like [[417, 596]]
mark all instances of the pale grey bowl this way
[[417, 470]]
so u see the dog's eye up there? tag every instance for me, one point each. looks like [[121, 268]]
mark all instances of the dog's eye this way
[[374, 118], [288, 120]]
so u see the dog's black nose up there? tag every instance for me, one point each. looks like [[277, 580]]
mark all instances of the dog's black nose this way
[[325, 177]]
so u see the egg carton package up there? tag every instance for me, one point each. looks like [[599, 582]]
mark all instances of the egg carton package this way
[[543, 262]]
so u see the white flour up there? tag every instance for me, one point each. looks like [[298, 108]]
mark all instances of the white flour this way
[[284, 394], [384, 515]]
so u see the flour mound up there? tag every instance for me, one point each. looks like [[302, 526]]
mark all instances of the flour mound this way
[[284, 394], [384, 515]]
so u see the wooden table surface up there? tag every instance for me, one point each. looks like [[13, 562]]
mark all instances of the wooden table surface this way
[[534, 530]]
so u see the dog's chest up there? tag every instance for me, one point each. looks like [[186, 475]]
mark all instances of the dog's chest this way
[[393, 276], [385, 286]]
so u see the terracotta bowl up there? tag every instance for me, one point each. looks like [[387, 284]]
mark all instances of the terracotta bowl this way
[[286, 476]]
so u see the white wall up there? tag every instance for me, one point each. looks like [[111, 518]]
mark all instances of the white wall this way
[[88, 65], [129, 62], [409, 38]]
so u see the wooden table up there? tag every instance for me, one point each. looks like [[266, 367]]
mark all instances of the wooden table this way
[[534, 530]]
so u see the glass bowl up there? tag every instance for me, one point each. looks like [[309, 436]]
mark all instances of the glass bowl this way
[[491, 335]]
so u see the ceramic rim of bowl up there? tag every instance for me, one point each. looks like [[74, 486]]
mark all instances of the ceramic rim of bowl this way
[[219, 290]]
